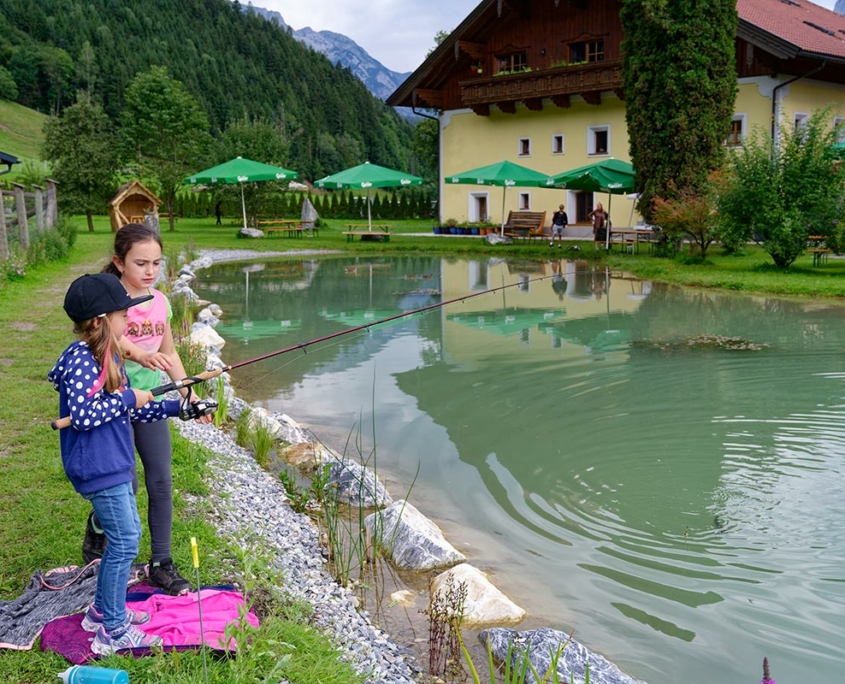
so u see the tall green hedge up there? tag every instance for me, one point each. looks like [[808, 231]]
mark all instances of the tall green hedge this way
[[679, 75]]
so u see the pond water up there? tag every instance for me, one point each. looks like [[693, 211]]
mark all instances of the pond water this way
[[661, 469]]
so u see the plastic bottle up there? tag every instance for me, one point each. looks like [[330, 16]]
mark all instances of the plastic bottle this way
[[84, 674]]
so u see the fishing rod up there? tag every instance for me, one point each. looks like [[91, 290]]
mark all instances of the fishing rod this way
[[210, 374]]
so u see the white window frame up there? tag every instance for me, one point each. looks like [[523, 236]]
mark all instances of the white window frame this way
[[523, 147], [800, 119], [472, 206], [525, 201], [555, 150], [839, 121], [742, 117], [591, 140]]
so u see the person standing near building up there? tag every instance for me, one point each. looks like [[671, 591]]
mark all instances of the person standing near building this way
[[599, 218], [559, 221]]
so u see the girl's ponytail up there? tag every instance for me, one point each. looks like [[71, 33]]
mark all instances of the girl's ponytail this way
[[106, 349]]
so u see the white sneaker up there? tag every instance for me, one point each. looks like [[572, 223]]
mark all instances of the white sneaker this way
[[93, 619], [121, 639]]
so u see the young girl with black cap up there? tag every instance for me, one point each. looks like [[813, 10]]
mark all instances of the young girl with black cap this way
[[97, 450]]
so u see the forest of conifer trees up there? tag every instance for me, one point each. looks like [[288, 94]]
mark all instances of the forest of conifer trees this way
[[236, 64]]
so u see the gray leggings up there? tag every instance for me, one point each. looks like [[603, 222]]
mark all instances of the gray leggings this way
[[152, 441]]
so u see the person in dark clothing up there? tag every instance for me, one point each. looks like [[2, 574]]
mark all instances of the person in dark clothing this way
[[559, 222], [218, 212], [599, 218]]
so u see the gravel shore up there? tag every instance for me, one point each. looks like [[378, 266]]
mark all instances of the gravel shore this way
[[249, 506]]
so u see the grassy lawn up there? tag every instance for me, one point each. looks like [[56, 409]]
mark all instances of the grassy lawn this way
[[42, 519], [753, 271], [20, 131]]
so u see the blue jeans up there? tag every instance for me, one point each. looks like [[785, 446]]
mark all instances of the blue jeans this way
[[118, 514]]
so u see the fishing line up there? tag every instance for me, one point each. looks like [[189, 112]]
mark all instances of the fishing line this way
[[208, 375]]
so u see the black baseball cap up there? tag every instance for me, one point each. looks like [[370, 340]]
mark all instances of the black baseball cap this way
[[95, 295]]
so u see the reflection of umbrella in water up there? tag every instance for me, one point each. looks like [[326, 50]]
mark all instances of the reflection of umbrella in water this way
[[257, 330], [240, 171], [506, 322], [597, 332], [356, 317]]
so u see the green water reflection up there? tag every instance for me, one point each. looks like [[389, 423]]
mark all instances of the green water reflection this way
[[660, 468]]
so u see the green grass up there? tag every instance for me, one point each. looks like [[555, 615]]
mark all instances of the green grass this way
[[42, 519], [751, 272], [21, 130]]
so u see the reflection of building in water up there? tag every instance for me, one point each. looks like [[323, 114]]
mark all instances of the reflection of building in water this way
[[533, 319]]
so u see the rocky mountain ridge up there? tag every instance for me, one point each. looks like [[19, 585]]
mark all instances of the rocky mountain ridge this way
[[340, 49]]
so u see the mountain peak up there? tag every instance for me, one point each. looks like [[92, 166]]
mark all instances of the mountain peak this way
[[341, 49]]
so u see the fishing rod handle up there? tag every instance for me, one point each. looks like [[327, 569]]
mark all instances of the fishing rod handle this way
[[65, 422]]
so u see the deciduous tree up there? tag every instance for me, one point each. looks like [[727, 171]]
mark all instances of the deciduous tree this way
[[779, 196], [165, 130], [83, 151]]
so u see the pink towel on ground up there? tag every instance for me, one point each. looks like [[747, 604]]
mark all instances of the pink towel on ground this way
[[174, 618]]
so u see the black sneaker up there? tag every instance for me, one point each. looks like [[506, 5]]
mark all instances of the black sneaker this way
[[95, 541], [166, 577]]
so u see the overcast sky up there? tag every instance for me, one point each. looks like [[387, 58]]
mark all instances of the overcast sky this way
[[398, 33]]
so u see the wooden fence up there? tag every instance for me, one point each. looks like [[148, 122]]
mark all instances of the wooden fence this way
[[44, 214]]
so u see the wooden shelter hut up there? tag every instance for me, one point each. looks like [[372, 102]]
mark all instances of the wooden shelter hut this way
[[131, 204]]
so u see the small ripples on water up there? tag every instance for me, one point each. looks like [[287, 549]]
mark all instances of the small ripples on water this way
[[684, 502]]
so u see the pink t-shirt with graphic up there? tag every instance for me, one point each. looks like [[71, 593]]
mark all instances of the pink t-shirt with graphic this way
[[145, 328]]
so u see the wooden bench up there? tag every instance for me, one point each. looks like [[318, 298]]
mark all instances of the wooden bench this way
[[381, 231], [293, 227], [820, 254], [381, 235], [526, 224]]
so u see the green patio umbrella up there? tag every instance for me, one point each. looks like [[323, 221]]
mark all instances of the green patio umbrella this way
[[366, 176], [506, 322], [503, 174], [240, 171], [610, 175]]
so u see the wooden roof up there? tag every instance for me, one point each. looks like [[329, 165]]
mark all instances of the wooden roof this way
[[134, 188], [788, 29]]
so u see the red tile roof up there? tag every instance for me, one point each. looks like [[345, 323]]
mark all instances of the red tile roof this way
[[807, 26]]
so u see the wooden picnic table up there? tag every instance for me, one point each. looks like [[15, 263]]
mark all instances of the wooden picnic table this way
[[816, 247], [293, 227], [630, 237], [380, 230]]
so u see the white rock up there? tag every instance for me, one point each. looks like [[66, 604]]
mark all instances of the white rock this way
[[206, 336], [411, 540], [261, 417], [251, 233], [484, 604]]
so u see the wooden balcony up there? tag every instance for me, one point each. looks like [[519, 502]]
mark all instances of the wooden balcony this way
[[558, 85]]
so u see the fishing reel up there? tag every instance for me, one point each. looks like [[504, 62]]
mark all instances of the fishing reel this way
[[192, 410]]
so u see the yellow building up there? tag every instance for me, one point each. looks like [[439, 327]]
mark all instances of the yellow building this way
[[539, 83]]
